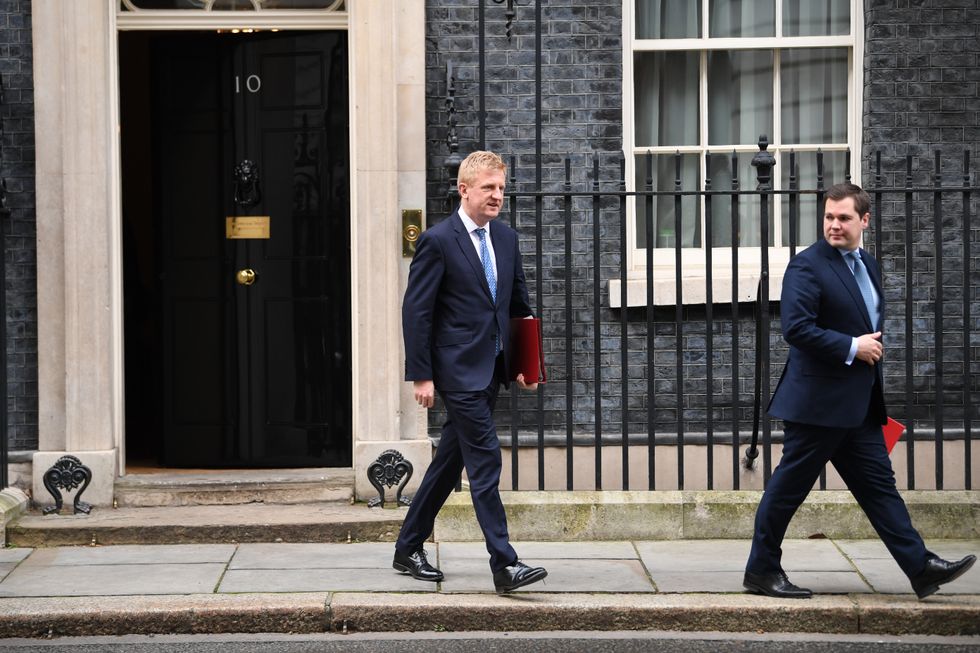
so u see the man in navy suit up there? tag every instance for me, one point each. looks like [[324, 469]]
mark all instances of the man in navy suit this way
[[831, 401], [465, 283]]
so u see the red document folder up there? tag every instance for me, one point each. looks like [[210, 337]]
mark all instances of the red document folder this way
[[526, 350], [893, 431]]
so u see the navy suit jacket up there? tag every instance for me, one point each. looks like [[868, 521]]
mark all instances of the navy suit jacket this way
[[821, 310], [449, 320]]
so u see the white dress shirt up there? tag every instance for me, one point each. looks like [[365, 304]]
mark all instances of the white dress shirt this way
[[471, 227]]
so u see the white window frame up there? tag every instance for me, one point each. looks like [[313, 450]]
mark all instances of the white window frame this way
[[693, 273]]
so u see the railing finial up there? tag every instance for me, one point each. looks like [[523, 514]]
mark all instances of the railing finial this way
[[764, 162]]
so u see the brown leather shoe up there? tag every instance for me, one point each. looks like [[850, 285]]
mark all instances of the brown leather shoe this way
[[417, 565], [774, 584], [939, 572]]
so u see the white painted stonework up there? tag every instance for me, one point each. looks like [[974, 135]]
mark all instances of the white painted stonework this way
[[80, 357]]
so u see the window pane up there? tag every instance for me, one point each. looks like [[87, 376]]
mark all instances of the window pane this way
[[720, 166], [739, 96], [664, 174], [816, 17], [814, 95], [666, 90], [668, 19], [738, 18], [806, 179]]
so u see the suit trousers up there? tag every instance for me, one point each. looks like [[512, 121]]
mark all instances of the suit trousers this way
[[469, 439], [859, 456]]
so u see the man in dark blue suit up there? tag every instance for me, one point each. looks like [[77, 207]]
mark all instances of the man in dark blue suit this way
[[465, 283], [831, 401]]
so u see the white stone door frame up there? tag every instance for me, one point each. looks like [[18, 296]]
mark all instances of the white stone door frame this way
[[79, 244]]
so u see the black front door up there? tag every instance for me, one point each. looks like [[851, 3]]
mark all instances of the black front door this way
[[254, 311]]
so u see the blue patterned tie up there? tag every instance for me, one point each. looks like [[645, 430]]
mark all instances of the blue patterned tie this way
[[491, 277], [487, 263], [864, 283]]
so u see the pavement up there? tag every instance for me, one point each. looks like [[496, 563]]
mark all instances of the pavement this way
[[680, 585]]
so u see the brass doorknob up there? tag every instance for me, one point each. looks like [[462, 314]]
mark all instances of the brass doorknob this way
[[245, 277]]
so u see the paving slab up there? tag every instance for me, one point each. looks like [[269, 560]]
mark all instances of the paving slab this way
[[953, 549], [112, 580], [237, 581], [949, 549], [831, 582], [698, 555], [698, 581], [10, 558], [730, 555], [531, 551], [886, 577], [6, 568], [814, 555], [14, 555], [372, 555], [564, 575], [311, 587], [863, 549], [131, 554]]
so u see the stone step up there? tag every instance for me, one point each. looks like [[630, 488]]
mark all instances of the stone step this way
[[227, 487], [209, 524]]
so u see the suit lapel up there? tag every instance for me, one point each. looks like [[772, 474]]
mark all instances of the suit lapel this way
[[874, 273], [843, 272], [465, 242]]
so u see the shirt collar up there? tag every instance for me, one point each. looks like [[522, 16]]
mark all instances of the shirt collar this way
[[468, 222]]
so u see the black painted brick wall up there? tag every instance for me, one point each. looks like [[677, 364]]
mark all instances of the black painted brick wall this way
[[581, 85], [922, 96], [920, 93], [17, 167]]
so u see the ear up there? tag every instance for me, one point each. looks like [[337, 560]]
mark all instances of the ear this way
[[865, 220]]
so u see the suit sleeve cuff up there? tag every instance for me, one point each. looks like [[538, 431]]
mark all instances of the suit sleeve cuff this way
[[853, 352]]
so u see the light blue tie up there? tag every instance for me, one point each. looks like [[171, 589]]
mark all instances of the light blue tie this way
[[864, 283], [491, 277], [487, 263]]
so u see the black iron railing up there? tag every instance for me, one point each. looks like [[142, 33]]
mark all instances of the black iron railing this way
[[624, 377], [4, 214], [632, 377]]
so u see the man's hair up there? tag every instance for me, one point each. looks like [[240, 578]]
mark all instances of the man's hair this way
[[862, 201], [476, 163]]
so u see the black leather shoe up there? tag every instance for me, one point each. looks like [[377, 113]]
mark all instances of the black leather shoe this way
[[517, 575], [417, 565], [939, 572], [774, 584]]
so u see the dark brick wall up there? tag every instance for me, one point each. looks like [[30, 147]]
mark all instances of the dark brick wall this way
[[920, 93], [581, 88], [922, 96], [17, 167]]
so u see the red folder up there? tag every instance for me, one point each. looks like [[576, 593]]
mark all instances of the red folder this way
[[893, 431], [527, 350]]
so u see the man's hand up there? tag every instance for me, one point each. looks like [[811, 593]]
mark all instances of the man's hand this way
[[425, 393], [870, 349], [525, 386]]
